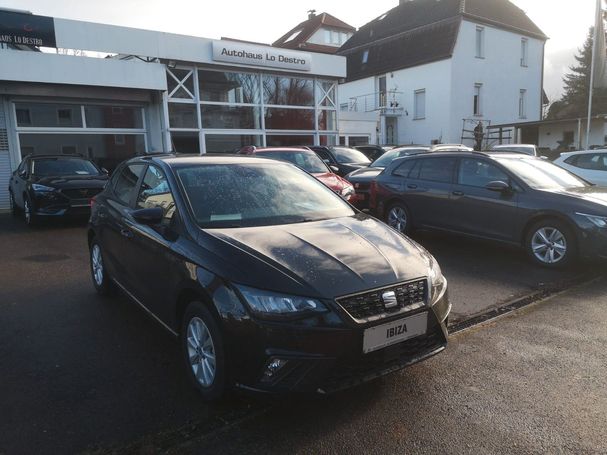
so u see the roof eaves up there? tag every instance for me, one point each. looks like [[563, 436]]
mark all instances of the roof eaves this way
[[498, 24]]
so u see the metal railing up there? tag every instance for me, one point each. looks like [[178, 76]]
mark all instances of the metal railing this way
[[385, 102]]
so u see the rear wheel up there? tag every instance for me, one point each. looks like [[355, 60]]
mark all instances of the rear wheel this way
[[551, 243], [101, 279], [397, 217], [203, 352]]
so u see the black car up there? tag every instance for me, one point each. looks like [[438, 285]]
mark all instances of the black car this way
[[362, 178], [372, 152], [513, 198], [236, 256], [46, 186], [342, 160]]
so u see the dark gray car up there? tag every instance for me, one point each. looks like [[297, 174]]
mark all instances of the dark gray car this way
[[512, 198]]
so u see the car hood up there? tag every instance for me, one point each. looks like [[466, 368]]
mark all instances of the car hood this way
[[72, 181], [593, 194], [333, 181], [326, 259], [364, 175]]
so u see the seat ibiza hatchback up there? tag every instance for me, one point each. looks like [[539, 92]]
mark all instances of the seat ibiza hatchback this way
[[270, 280]]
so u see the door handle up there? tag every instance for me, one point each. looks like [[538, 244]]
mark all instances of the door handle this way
[[458, 193], [126, 233], [412, 186]]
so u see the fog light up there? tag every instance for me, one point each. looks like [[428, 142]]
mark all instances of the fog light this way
[[273, 367]]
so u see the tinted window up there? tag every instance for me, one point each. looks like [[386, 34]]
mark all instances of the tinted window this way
[[404, 168], [594, 162], [538, 173], [155, 192], [257, 194], [474, 172], [348, 155], [127, 181], [48, 167], [308, 161], [388, 157], [324, 155], [436, 170]]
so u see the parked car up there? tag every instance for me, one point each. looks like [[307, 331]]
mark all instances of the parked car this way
[[45, 186], [362, 178], [527, 149], [371, 151], [236, 256], [309, 161], [343, 159], [512, 198], [450, 148], [590, 165]]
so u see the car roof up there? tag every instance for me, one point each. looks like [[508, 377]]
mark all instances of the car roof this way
[[283, 149], [505, 146], [584, 152], [217, 158]]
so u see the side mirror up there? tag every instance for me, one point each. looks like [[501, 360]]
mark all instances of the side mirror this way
[[105, 171], [334, 168], [23, 174], [498, 186], [148, 216]]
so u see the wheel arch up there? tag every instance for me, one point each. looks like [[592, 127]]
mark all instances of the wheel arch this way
[[545, 216], [187, 295]]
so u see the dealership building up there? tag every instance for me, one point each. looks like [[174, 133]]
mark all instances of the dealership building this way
[[109, 93]]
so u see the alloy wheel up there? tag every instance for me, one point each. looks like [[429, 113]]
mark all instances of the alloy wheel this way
[[27, 211], [97, 263], [549, 245], [201, 352], [397, 218]]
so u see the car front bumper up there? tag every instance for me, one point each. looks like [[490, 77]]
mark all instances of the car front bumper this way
[[593, 242], [325, 359]]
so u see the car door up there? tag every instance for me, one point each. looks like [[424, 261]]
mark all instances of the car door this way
[[477, 210], [152, 244], [18, 182], [329, 160], [428, 189], [118, 249]]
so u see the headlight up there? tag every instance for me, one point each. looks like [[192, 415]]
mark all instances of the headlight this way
[[347, 192], [437, 281], [270, 303], [41, 188], [598, 221]]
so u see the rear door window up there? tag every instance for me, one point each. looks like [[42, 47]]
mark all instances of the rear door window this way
[[126, 182], [436, 169]]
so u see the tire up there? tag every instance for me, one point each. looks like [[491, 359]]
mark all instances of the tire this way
[[14, 209], [99, 275], [551, 243], [28, 212], [202, 350], [398, 217]]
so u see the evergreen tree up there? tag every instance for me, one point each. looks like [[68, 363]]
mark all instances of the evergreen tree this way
[[574, 102]]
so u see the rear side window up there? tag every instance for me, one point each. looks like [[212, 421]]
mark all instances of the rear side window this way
[[126, 182], [594, 162], [435, 170], [404, 169]]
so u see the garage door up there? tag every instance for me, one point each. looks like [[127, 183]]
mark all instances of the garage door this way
[[5, 163]]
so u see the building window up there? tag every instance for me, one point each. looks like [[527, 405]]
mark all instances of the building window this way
[[64, 117], [480, 42], [419, 104], [524, 51], [477, 99], [522, 104], [24, 117], [365, 57]]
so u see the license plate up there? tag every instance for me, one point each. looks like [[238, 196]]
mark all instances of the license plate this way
[[80, 203], [384, 335]]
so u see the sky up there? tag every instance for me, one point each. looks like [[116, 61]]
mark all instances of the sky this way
[[566, 22]]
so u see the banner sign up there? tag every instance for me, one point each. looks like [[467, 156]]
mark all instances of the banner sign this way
[[26, 29], [247, 54]]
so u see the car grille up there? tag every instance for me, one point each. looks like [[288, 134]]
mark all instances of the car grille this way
[[369, 306], [81, 193]]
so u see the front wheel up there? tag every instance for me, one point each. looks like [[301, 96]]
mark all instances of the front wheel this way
[[397, 217], [101, 279], [203, 352], [29, 214], [551, 243]]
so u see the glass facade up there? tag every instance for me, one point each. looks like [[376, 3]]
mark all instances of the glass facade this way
[[227, 110]]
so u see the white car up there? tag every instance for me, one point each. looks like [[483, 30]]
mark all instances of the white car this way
[[591, 165], [527, 149]]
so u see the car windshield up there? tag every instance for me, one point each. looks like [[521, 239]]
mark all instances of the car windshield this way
[[257, 194], [347, 155], [50, 167], [541, 174], [384, 160], [308, 161]]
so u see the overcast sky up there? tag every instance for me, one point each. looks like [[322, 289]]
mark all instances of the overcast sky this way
[[566, 22]]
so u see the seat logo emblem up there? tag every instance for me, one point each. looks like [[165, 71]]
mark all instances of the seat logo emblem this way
[[389, 299]]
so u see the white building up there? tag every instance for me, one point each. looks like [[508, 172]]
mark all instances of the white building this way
[[431, 70], [154, 92]]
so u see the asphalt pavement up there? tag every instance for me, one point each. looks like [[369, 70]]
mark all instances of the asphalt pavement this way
[[79, 372]]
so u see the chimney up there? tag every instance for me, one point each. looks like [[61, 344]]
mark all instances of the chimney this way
[[311, 14]]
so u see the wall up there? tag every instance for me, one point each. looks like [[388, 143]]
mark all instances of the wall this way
[[549, 135], [359, 124], [501, 74]]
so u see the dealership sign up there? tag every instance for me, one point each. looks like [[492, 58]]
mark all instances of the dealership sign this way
[[246, 54], [26, 29]]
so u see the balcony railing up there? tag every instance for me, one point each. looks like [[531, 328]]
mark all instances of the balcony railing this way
[[389, 102]]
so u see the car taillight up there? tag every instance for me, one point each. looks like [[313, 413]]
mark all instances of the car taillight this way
[[373, 195]]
